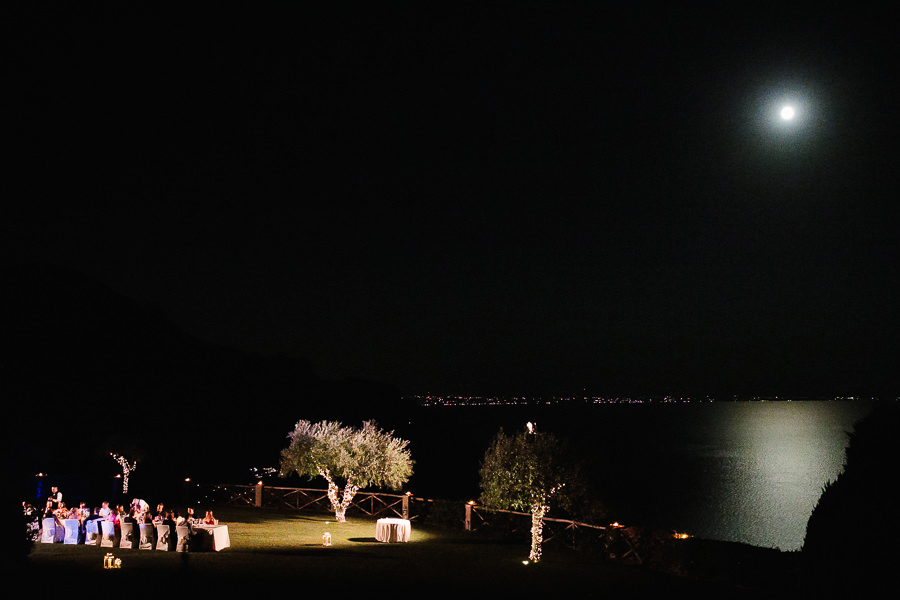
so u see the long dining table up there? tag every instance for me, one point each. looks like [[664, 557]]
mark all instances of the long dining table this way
[[197, 537]]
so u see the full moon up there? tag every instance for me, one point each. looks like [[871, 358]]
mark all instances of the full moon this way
[[787, 113]]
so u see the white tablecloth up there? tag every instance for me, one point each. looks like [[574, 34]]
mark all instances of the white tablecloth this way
[[392, 530], [209, 537]]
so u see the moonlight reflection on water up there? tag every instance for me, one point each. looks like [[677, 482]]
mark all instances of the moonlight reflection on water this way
[[746, 472]]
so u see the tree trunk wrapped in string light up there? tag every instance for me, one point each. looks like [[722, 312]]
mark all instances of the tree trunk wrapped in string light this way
[[358, 457], [127, 469], [524, 472]]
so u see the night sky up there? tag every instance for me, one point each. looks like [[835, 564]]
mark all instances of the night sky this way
[[482, 199]]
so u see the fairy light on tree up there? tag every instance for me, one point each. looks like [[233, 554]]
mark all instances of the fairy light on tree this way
[[524, 472], [358, 457], [127, 469]]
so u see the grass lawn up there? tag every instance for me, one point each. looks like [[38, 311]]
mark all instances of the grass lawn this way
[[274, 552]]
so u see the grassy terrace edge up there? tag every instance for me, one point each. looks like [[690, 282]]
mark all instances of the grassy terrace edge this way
[[278, 550]]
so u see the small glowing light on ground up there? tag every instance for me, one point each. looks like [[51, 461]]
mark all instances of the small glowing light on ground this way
[[787, 113]]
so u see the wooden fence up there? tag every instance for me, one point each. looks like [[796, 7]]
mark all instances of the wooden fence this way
[[369, 503], [620, 542]]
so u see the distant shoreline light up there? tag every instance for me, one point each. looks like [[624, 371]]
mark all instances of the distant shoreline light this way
[[452, 400]]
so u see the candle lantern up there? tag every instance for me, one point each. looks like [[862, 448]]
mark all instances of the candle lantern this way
[[108, 561], [326, 539]]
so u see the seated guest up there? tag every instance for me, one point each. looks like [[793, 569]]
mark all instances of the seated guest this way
[[209, 519], [140, 505], [188, 518], [104, 510], [48, 510], [160, 515], [170, 521], [32, 521]]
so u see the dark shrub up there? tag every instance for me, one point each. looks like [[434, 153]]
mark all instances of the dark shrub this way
[[850, 545]]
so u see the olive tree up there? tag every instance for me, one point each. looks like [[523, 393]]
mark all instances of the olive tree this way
[[354, 457], [524, 472]]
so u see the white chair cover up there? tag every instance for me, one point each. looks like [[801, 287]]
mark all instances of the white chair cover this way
[[51, 531], [148, 536], [184, 538], [165, 537], [92, 532], [127, 535], [72, 526], [108, 529]]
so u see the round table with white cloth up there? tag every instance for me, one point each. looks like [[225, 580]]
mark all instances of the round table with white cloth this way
[[392, 530]]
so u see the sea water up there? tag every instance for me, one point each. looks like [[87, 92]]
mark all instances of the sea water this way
[[748, 472]]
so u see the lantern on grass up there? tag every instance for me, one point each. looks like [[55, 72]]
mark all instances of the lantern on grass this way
[[326, 537]]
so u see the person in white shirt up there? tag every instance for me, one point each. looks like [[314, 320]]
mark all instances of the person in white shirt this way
[[55, 496], [140, 506]]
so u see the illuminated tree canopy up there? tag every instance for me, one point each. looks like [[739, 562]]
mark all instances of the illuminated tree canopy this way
[[524, 472], [357, 457]]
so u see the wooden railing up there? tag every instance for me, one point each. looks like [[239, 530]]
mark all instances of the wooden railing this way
[[618, 540], [369, 503]]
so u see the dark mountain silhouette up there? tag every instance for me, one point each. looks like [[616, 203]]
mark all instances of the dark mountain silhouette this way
[[86, 371]]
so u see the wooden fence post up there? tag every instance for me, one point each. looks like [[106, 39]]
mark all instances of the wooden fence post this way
[[259, 494], [468, 516], [406, 505]]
